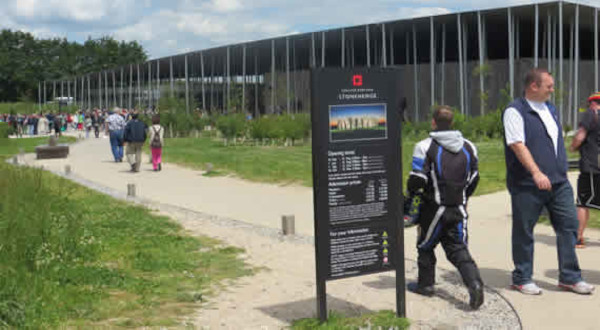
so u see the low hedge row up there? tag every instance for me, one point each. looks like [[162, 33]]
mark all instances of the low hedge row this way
[[271, 127], [484, 127]]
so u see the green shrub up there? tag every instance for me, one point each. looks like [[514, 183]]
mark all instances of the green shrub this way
[[232, 126], [5, 130], [296, 127], [488, 126]]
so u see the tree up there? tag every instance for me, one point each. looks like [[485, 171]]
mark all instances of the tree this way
[[25, 60]]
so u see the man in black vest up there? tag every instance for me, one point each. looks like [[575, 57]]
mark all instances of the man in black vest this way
[[536, 177], [445, 173]]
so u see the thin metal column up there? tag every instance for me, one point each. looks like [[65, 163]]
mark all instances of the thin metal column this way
[[595, 49], [481, 82], [68, 89], [149, 91], [228, 68], [571, 60], [40, 96], [549, 42], [244, 78], [432, 58], [87, 106], [368, 37], [323, 49], [416, 72], [89, 96], [121, 104], [407, 47], [130, 104], [392, 60], [212, 83], [383, 46], [287, 74], [313, 51], [75, 98], [256, 112], [273, 76], [204, 107], [171, 74], [139, 88], [561, 84], [53, 90], [460, 61], [443, 79], [511, 54], [352, 48], [106, 89], [45, 99], [100, 90], [576, 79], [187, 87], [157, 82], [518, 38], [224, 86], [343, 55], [114, 83], [536, 36], [465, 45]]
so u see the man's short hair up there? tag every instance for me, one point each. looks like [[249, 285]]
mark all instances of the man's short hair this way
[[535, 76], [443, 117]]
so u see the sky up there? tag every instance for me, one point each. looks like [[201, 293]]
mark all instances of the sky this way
[[169, 27]]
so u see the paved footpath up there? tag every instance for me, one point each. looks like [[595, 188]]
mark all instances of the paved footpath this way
[[284, 292]]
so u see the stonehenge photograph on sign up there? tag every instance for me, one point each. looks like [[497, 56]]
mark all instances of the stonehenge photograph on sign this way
[[357, 122]]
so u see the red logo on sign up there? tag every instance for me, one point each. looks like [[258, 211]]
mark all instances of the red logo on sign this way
[[357, 80]]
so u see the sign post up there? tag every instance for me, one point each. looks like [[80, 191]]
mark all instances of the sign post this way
[[357, 179]]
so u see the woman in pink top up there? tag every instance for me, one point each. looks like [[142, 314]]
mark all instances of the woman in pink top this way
[[156, 134]]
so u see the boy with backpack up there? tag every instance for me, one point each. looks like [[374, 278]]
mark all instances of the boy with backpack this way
[[156, 143], [444, 175]]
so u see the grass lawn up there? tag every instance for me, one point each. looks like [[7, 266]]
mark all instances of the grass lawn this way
[[380, 320], [276, 164], [74, 258]]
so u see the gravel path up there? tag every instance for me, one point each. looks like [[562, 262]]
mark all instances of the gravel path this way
[[283, 288]]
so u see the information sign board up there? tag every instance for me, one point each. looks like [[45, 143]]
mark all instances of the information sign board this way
[[357, 175]]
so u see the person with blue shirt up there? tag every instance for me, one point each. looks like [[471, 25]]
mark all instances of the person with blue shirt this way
[[536, 177]]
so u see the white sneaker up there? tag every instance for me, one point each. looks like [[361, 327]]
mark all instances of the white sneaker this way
[[529, 288], [580, 287]]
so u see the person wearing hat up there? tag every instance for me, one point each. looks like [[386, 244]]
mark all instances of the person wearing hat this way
[[586, 141]]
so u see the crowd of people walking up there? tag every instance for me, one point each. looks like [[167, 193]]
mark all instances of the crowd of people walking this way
[[123, 127]]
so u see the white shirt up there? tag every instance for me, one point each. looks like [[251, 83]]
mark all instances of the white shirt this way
[[514, 127]]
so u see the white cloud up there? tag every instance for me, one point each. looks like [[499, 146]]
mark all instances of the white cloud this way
[[226, 5], [166, 27], [74, 10]]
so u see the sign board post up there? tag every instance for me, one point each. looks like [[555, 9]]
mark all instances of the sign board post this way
[[357, 177]]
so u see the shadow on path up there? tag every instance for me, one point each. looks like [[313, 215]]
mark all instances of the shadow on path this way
[[551, 241], [307, 308], [502, 279], [590, 276]]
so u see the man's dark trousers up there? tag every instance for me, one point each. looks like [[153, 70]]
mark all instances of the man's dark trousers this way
[[451, 231], [527, 204]]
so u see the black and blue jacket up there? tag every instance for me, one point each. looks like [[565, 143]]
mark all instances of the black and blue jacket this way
[[445, 168]]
